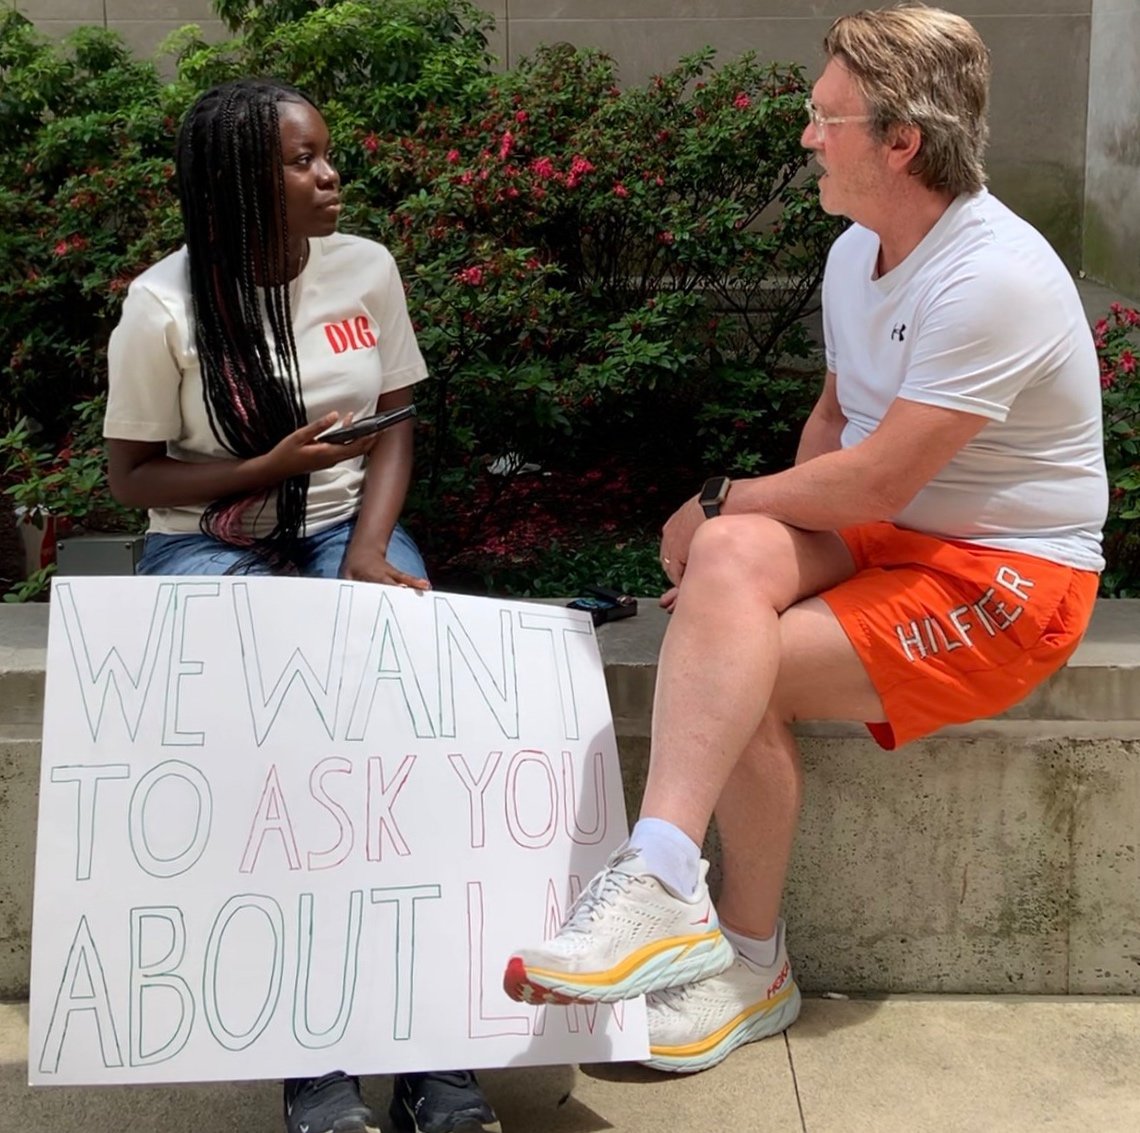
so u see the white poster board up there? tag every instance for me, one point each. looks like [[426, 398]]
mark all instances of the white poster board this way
[[293, 825]]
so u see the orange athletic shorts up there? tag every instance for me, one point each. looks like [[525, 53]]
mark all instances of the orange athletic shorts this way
[[951, 632]]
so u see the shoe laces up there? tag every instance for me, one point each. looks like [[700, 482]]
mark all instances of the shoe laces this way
[[331, 1082], [671, 998], [605, 888]]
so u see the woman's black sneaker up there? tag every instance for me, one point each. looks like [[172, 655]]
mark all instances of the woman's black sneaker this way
[[329, 1104], [441, 1103]]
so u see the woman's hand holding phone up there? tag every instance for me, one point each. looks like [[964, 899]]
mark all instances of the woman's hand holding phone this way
[[366, 426], [302, 451]]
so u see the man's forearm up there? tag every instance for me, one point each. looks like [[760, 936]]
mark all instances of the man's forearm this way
[[824, 493]]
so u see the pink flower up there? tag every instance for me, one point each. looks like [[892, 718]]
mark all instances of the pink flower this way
[[371, 143], [579, 167], [742, 101], [505, 145], [521, 116], [466, 177], [665, 237], [473, 276], [620, 190], [543, 168], [1127, 362], [452, 156], [62, 248]]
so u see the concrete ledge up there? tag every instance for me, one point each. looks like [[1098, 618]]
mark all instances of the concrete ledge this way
[[1099, 686], [998, 856], [1097, 691]]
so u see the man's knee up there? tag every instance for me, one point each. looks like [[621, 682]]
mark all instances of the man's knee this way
[[737, 541], [758, 556]]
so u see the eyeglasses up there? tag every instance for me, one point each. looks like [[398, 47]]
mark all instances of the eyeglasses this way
[[819, 121]]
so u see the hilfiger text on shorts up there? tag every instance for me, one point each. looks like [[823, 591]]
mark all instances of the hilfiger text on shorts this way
[[993, 612]]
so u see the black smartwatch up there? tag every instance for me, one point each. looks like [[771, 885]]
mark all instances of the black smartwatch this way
[[713, 495]]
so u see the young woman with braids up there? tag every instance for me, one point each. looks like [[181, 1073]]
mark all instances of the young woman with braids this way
[[231, 358]]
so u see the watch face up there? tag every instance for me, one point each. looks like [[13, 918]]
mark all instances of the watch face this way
[[714, 491]]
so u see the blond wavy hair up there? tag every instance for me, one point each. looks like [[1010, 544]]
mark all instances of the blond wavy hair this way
[[925, 67]]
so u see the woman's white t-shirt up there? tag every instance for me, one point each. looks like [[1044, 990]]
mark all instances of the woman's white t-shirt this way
[[354, 341]]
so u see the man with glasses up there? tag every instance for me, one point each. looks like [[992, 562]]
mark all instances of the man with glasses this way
[[932, 556]]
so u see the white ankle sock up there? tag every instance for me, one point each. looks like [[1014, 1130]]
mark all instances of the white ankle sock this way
[[754, 951], [669, 853]]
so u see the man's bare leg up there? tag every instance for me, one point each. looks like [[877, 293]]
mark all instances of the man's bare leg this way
[[646, 923], [820, 678], [756, 996], [721, 657]]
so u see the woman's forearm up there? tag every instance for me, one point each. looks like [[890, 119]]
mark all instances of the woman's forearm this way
[[165, 482], [386, 479]]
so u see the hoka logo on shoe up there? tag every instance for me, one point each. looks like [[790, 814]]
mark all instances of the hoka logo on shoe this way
[[705, 918], [780, 980]]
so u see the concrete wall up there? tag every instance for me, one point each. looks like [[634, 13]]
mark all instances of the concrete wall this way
[[144, 24], [1112, 184], [1040, 49]]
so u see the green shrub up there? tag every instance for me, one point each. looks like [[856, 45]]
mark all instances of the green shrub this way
[[85, 204], [599, 277], [609, 284], [594, 270], [66, 484], [1117, 337], [370, 65], [87, 199]]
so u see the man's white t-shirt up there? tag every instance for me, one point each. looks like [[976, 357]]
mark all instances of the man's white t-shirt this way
[[984, 318], [354, 341]]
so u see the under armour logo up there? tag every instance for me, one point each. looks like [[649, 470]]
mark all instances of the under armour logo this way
[[897, 333]]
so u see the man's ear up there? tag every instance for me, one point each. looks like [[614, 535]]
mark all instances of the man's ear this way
[[904, 141]]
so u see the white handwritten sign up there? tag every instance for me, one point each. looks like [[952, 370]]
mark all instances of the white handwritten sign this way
[[291, 825]]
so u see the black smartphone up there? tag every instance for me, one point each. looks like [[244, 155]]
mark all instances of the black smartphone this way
[[366, 426], [605, 605]]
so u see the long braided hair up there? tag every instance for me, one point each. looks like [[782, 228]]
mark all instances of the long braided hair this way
[[232, 192]]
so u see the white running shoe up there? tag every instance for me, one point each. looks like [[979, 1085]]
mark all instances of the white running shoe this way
[[694, 1027], [627, 934]]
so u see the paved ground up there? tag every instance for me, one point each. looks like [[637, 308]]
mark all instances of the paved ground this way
[[897, 1065]]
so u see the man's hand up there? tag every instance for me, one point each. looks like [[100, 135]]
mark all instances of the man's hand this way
[[362, 564], [676, 536]]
